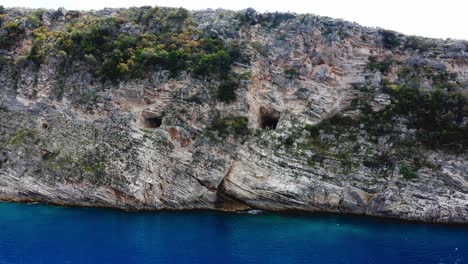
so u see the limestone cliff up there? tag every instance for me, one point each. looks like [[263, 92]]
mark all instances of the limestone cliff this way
[[160, 108]]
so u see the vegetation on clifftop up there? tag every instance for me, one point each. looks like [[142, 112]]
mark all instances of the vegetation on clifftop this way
[[127, 44]]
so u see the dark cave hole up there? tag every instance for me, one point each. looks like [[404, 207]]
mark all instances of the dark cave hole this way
[[151, 120], [268, 118]]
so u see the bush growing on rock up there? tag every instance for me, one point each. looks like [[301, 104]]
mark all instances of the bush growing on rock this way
[[179, 15], [72, 14], [13, 32], [218, 63], [227, 89], [263, 50], [418, 43], [390, 39], [290, 73], [20, 136], [235, 50], [35, 18], [112, 67], [436, 114], [407, 172], [383, 66], [235, 125]]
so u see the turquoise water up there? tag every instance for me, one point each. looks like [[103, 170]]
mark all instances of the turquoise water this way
[[52, 234]]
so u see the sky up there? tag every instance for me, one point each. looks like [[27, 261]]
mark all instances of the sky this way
[[428, 18]]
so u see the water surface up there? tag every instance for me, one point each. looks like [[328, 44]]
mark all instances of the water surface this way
[[53, 234]]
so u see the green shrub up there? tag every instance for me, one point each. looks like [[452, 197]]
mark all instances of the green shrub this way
[[111, 69], [20, 136], [390, 39], [148, 56], [437, 114], [235, 50], [418, 43], [314, 131], [12, 35], [212, 45], [124, 42], [290, 73], [293, 137], [176, 61], [36, 53], [260, 48], [73, 14], [179, 16], [95, 168], [234, 125], [35, 18], [227, 89], [407, 172], [2, 10], [218, 63], [3, 61], [374, 64], [342, 121], [246, 75], [443, 78], [88, 98]]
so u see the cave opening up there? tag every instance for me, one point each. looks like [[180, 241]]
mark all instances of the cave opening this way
[[268, 118], [151, 120]]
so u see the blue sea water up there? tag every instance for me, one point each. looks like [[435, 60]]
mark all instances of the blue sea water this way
[[53, 234]]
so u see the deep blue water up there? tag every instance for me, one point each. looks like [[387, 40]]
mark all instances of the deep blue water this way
[[53, 234]]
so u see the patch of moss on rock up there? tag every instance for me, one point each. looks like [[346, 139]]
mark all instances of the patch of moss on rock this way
[[20, 137]]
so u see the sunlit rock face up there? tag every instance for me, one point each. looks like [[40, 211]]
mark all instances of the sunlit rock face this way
[[160, 108]]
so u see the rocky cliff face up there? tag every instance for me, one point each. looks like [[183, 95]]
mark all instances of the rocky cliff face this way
[[158, 108]]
